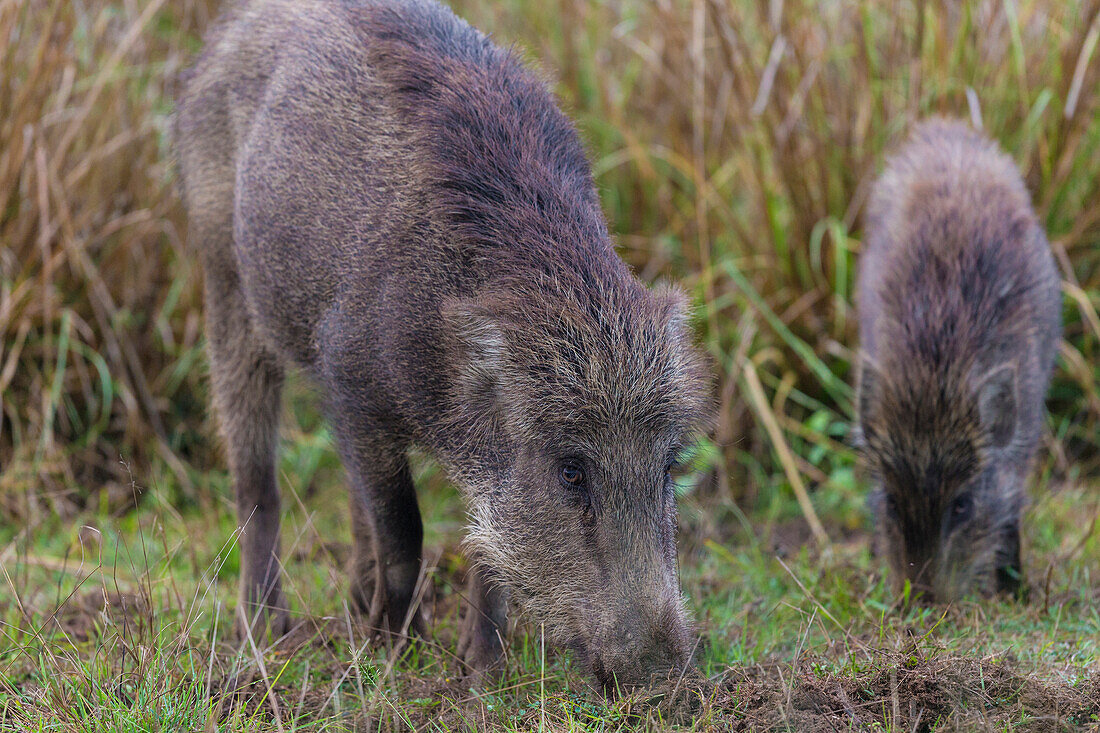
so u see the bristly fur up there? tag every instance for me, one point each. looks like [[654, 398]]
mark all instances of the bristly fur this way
[[959, 320], [386, 199], [503, 161]]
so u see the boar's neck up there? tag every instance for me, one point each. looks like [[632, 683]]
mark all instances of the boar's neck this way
[[504, 193]]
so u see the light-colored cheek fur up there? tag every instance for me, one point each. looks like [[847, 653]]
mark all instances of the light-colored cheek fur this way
[[549, 601]]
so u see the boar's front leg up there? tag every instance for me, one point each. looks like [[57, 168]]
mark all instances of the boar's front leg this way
[[481, 644], [247, 382], [388, 535]]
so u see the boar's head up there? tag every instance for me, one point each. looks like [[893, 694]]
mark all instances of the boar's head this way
[[587, 401], [949, 485]]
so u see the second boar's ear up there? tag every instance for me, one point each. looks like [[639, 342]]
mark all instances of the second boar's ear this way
[[997, 404], [481, 349]]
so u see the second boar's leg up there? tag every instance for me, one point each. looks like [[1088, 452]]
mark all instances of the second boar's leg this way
[[388, 537], [246, 380], [480, 645], [1009, 574]]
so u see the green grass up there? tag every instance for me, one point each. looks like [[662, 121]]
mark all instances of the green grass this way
[[163, 646], [740, 178], [811, 618]]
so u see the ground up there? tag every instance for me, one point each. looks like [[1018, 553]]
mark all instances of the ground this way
[[123, 623]]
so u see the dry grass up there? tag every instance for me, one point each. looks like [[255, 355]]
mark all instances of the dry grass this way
[[99, 314], [734, 143]]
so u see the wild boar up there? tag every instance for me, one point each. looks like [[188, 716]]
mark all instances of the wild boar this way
[[390, 202], [959, 318]]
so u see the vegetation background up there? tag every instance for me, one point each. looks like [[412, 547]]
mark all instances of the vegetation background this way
[[734, 143]]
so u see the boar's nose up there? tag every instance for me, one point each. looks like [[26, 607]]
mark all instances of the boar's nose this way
[[641, 649]]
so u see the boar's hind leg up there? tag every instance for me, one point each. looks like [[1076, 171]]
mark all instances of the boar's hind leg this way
[[388, 536], [481, 643], [247, 383]]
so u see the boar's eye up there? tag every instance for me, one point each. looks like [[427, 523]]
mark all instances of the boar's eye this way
[[572, 476], [961, 508]]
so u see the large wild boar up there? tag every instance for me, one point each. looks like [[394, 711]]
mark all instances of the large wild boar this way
[[387, 200], [959, 314]]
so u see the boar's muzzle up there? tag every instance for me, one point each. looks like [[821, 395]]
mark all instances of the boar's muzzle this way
[[638, 648]]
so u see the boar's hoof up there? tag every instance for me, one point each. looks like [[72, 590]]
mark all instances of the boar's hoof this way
[[384, 610], [366, 596], [480, 647], [363, 584]]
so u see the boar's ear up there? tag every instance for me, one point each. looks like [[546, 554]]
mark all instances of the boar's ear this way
[[674, 305], [480, 351], [997, 404]]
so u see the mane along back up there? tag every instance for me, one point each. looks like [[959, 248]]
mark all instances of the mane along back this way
[[506, 168]]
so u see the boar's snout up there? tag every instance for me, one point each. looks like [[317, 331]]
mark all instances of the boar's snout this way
[[922, 583], [636, 648]]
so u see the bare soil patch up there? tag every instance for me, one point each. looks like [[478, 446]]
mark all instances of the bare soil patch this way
[[903, 692]]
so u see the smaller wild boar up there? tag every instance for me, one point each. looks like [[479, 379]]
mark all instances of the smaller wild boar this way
[[390, 202], [959, 316]]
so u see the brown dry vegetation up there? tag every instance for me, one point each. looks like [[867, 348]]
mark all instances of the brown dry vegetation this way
[[99, 309], [734, 143]]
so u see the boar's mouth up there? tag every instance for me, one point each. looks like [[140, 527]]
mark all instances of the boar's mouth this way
[[611, 682], [604, 681]]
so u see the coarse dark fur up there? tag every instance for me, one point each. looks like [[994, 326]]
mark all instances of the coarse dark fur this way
[[389, 201], [959, 312]]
